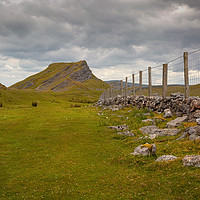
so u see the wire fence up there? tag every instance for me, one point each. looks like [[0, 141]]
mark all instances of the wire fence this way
[[182, 72]]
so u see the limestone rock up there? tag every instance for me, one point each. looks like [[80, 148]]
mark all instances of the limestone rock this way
[[197, 114], [167, 113], [127, 133], [194, 137], [147, 120], [119, 127], [142, 150], [166, 158], [177, 122], [198, 121], [148, 130], [159, 132], [191, 160], [167, 132]]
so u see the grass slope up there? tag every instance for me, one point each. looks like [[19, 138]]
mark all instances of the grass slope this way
[[58, 151], [62, 74]]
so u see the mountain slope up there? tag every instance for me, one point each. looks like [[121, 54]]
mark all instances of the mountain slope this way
[[61, 77], [2, 87]]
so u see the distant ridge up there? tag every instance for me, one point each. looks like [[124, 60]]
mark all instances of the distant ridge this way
[[61, 77]]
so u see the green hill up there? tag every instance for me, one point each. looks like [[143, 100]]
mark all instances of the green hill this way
[[2, 87], [61, 77]]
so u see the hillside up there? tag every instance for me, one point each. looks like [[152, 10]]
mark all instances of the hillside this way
[[2, 87], [62, 77]]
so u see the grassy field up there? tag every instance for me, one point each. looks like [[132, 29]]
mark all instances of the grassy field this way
[[61, 151]]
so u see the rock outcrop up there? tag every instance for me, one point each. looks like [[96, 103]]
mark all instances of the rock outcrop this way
[[60, 77]]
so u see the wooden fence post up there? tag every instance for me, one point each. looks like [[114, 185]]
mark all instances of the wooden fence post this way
[[126, 87], [165, 68], [140, 80], [186, 78], [133, 80], [121, 87], [150, 82]]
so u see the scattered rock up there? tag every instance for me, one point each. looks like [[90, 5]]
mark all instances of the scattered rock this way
[[167, 113], [194, 137], [198, 121], [145, 149], [147, 120], [193, 132], [191, 160], [127, 133], [167, 132], [119, 127], [176, 122], [148, 130], [166, 158]]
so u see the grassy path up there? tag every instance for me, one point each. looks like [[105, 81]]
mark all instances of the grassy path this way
[[60, 152]]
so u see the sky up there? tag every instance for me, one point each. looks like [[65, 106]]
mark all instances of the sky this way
[[115, 37]]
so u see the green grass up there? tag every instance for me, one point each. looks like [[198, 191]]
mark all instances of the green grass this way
[[194, 90], [60, 151]]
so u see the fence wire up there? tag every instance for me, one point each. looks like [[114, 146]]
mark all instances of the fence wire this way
[[175, 79]]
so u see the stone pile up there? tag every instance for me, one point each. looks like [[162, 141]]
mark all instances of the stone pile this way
[[177, 104]]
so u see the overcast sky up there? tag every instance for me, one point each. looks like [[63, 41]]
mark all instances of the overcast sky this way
[[115, 37]]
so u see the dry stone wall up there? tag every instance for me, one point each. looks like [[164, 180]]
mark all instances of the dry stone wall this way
[[176, 103]]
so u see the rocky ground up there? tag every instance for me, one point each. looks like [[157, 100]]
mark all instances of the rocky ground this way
[[177, 106]]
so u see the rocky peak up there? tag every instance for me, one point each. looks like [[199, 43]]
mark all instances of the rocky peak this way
[[59, 77]]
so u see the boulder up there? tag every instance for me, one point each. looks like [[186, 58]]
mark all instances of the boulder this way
[[194, 137], [119, 127], [148, 130], [193, 130], [166, 158], [176, 122], [145, 149], [191, 160], [167, 113], [167, 132], [198, 121], [127, 133]]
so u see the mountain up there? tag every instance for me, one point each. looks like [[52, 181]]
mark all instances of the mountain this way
[[2, 87], [61, 77]]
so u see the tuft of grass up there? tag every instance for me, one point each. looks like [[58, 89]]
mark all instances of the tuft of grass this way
[[34, 103]]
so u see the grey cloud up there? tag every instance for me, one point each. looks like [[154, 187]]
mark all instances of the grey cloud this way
[[104, 32]]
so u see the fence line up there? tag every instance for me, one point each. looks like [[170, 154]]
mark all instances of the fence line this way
[[181, 74]]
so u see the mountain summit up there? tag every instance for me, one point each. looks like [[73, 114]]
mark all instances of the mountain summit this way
[[60, 77]]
